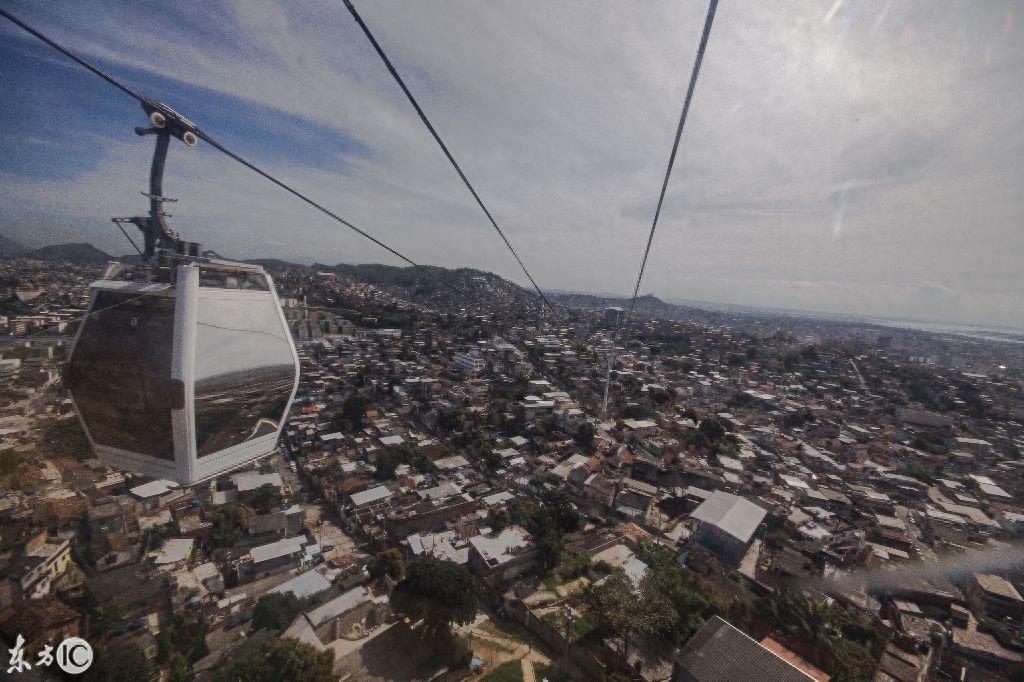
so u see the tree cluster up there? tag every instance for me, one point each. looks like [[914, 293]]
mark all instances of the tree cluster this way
[[437, 592], [547, 521], [389, 460], [848, 644], [389, 563], [276, 611], [179, 644], [668, 601], [353, 412], [230, 522], [280, 659]]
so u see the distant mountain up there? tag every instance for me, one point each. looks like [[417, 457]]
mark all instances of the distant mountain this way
[[272, 263], [78, 253], [9, 247]]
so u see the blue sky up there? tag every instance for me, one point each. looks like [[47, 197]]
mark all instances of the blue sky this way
[[52, 99], [846, 157]]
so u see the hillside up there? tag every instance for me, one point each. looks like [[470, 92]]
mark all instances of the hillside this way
[[484, 289], [408, 276], [76, 252]]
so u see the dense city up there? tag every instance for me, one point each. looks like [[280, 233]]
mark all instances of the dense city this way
[[454, 495]]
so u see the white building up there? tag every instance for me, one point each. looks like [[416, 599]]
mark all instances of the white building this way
[[469, 363]]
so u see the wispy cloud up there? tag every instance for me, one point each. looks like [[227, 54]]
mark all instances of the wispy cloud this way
[[870, 148]]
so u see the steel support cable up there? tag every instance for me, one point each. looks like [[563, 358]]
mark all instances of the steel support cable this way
[[712, 6], [442, 145], [221, 148], [216, 145]]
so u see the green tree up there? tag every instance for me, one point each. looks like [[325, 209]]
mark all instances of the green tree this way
[[266, 498], [104, 619], [550, 544], [390, 562], [438, 592], [178, 668], [622, 610], [849, 661], [558, 502], [847, 642], [387, 463], [280, 659], [585, 435], [275, 611], [489, 459], [450, 420], [573, 564], [547, 522], [498, 519], [680, 587], [181, 637], [712, 429], [229, 523], [353, 411]]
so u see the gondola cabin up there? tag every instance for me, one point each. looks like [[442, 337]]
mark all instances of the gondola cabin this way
[[183, 378]]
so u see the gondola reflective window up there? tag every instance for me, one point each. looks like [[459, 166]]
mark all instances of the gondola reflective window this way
[[244, 373], [184, 378], [125, 397]]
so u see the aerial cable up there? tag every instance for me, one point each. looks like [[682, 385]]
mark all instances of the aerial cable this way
[[221, 148], [72, 56], [443, 146], [129, 238], [712, 6]]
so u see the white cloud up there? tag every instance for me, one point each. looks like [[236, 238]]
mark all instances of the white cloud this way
[[864, 155]]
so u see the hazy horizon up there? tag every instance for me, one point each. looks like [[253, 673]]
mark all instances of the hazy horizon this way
[[858, 159]]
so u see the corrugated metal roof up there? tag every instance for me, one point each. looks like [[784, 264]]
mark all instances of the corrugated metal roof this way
[[369, 496], [736, 515], [338, 606], [304, 585], [277, 549], [721, 653]]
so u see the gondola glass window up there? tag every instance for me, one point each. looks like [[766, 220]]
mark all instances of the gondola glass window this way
[[121, 373], [244, 372]]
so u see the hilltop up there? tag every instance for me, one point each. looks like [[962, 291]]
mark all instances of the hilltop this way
[[405, 282], [75, 253]]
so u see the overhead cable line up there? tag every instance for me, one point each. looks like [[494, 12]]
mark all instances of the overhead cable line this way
[[221, 148], [442, 145], [712, 6]]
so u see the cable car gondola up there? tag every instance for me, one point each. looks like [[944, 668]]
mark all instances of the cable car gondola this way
[[183, 366]]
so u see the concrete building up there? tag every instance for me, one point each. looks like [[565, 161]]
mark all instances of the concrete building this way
[[469, 363], [994, 596], [726, 525], [502, 556]]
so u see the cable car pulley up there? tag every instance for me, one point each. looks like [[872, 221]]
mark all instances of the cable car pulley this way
[[157, 234]]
